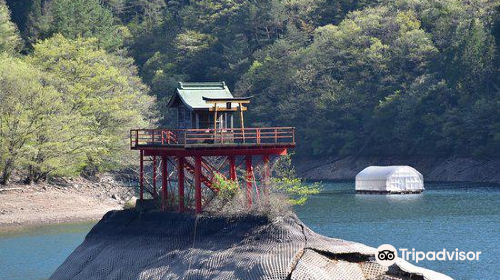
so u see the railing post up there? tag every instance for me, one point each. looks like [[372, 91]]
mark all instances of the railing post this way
[[153, 136], [275, 135], [136, 137]]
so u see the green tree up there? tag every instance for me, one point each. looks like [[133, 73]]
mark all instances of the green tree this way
[[394, 78], [102, 90], [81, 18], [9, 37], [285, 181], [30, 114]]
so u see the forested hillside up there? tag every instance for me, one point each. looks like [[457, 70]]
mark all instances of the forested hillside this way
[[356, 77]]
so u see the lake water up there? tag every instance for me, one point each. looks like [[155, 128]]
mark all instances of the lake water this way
[[36, 252], [450, 216], [463, 216]]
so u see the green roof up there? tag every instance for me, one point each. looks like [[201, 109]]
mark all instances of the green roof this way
[[191, 94]]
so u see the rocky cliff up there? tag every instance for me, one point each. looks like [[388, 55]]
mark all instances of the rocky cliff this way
[[439, 169], [131, 245]]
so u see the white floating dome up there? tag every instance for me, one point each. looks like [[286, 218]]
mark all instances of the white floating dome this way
[[389, 179]]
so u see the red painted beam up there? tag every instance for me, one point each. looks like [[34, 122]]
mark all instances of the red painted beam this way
[[211, 152], [180, 185], [197, 183]]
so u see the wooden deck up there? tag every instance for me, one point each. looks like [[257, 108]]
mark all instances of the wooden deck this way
[[247, 138]]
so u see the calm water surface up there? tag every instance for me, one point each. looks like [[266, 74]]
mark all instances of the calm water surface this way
[[36, 252], [463, 216]]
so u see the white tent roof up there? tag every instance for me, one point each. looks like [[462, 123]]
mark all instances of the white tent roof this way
[[389, 179], [384, 172]]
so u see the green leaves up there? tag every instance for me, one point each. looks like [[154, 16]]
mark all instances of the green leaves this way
[[227, 188], [82, 18], [393, 78], [32, 121], [10, 41], [101, 89], [296, 189], [67, 109], [286, 182]]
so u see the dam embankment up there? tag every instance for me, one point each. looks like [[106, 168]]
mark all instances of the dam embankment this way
[[131, 245]]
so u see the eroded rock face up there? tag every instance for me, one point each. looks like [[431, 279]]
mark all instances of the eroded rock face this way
[[433, 169], [131, 245]]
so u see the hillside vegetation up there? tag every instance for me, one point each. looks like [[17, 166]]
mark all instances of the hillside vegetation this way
[[356, 77]]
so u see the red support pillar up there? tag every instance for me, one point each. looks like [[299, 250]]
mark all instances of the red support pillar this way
[[164, 181], [197, 183], [180, 183], [249, 179], [141, 176], [154, 176], [266, 177], [232, 168]]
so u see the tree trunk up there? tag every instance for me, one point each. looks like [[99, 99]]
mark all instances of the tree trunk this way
[[6, 172]]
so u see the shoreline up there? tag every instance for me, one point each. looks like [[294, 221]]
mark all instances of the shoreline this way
[[77, 200], [449, 170], [26, 227], [73, 201]]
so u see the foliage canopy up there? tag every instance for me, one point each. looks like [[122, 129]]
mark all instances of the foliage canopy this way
[[356, 77]]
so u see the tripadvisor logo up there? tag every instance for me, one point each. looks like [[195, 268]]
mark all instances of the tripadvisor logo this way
[[386, 255]]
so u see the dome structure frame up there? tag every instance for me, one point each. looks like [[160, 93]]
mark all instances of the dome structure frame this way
[[397, 179]]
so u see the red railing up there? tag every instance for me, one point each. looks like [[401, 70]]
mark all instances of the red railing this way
[[219, 137]]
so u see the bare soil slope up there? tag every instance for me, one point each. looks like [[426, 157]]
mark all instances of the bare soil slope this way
[[67, 201]]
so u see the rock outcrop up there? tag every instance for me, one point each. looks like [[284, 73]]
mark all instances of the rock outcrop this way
[[438, 169], [132, 245]]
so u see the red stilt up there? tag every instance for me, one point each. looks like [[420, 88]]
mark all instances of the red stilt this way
[[180, 183], [232, 168], [141, 176], [154, 176], [249, 178], [197, 183], [164, 181], [266, 175]]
